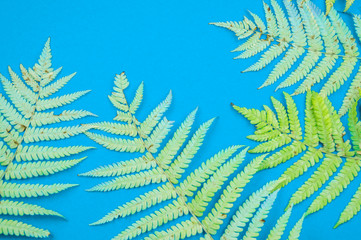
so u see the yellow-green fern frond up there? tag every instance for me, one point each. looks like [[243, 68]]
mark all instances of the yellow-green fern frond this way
[[163, 161], [330, 3], [323, 141], [22, 123], [320, 47]]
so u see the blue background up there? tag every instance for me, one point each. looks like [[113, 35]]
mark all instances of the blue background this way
[[168, 45]]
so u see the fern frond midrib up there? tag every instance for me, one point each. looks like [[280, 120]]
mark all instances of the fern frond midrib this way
[[181, 197], [292, 44], [290, 135], [26, 128]]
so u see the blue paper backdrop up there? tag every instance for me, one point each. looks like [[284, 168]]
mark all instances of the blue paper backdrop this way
[[168, 45]]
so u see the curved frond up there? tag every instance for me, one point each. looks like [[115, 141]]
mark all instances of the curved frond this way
[[20, 126], [165, 161], [307, 39]]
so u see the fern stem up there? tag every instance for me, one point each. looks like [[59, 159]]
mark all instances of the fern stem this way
[[180, 196]]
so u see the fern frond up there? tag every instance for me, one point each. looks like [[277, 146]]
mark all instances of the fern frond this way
[[323, 142], [190, 194], [304, 34], [20, 121]]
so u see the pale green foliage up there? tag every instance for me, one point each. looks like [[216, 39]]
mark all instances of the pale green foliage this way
[[257, 222], [313, 42], [296, 230], [182, 193], [22, 122], [277, 231], [322, 142]]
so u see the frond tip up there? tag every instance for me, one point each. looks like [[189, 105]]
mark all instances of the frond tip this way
[[22, 120]]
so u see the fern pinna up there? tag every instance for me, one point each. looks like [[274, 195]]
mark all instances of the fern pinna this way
[[22, 151], [280, 133], [329, 5], [309, 40], [187, 197]]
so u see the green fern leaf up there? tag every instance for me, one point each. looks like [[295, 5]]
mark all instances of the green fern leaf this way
[[21, 118], [186, 194], [323, 142], [305, 34]]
